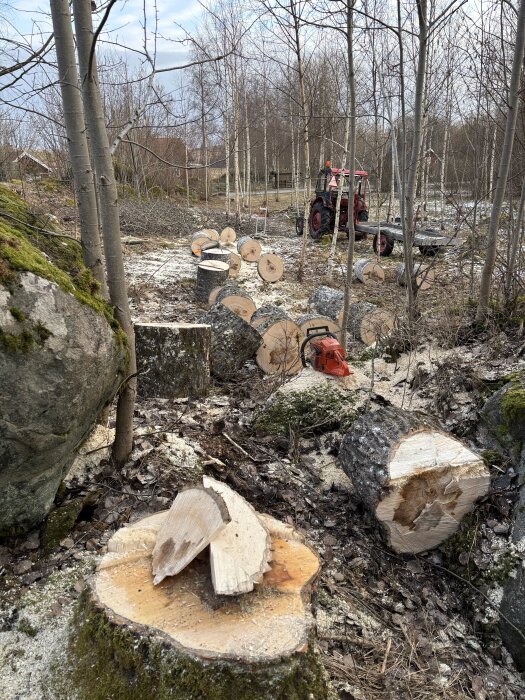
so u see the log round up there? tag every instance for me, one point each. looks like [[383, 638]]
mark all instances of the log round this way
[[235, 264], [210, 274], [227, 235], [180, 640], [368, 271], [233, 342], [270, 267], [249, 249], [238, 301], [309, 321], [216, 254], [265, 312], [424, 276], [212, 299], [417, 480], [197, 241], [280, 347], [212, 233]]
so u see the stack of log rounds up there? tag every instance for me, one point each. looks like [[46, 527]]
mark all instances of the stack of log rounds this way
[[309, 321], [368, 271], [216, 254], [235, 264], [417, 480], [212, 233], [249, 249], [238, 301], [233, 342], [366, 322], [279, 352], [210, 274], [270, 267], [265, 312], [227, 235], [179, 639], [424, 276], [200, 241]]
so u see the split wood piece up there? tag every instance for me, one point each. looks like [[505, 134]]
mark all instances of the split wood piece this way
[[239, 554], [233, 341], [423, 275], [212, 299], [368, 271], [180, 637], [265, 312], [280, 347], [173, 359], [209, 245], [366, 322], [197, 516], [197, 241], [417, 480], [210, 274], [227, 235], [216, 254], [309, 321], [212, 233], [249, 249], [270, 267], [235, 264], [238, 301]]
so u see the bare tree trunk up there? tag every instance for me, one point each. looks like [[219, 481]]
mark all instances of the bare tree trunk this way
[[204, 142], [333, 244], [492, 160], [86, 196], [448, 108], [294, 174], [226, 127], [248, 187], [504, 165], [109, 214], [391, 197], [236, 171], [515, 242]]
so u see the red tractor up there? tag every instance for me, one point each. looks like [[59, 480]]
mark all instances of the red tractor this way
[[322, 206]]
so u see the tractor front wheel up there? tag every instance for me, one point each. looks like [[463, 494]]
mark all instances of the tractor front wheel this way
[[383, 244], [319, 221]]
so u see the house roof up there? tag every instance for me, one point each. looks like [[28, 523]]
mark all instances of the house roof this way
[[26, 154]]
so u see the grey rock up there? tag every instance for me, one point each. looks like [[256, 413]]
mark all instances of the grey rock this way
[[496, 431], [50, 395]]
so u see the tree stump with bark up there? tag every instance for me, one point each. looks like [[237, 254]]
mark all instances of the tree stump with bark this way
[[238, 301], [368, 271], [216, 254], [233, 341], [279, 352], [210, 274], [249, 249], [416, 480], [309, 321], [173, 359], [424, 276], [179, 639], [265, 312], [270, 267]]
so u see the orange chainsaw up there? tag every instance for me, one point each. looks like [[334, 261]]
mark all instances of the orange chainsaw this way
[[327, 354]]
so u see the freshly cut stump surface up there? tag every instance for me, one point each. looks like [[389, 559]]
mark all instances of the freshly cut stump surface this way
[[270, 267], [238, 301], [417, 480], [368, 271], [216, 254], [281, 343], [235, 264], [179, 640], [227, 235], [423, 274], [210, 274], [249, 249]]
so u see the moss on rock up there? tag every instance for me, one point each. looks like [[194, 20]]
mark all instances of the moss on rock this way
[[59, 523]]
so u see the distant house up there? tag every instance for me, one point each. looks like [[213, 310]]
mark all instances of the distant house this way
[[281, 180], [27, 164]]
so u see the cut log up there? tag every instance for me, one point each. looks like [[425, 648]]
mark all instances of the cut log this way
[[173, 359], [417, 480], [227, 235], [309, 321], [197, 516], [212, 299], [179, 639], [265, 312], [240, 552], [233, 341], [238, 301], [210, 274], [212, 233], [216, 254], [197, 241], [368, 271], [423, 274], [249, 249], [235, 264], [270, 267], [327, 302], [209, 245], [281, 343]]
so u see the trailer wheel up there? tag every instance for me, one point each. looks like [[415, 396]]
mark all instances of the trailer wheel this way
[[428, 250], [319, 221], [385, 246], [299, 225]]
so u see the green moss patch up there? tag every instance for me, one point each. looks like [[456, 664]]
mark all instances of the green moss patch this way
[[59, 523]]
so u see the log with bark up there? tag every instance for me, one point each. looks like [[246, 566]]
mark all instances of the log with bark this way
[[309, 321], [417, 480], [249, 249], [212, 233], [233, 341], [235, 264], [181, 640], [212, 299], [280, 347], [270, 267], [227, 235], [366, 322], [173, 359], [238, 301], [216, 254], [265, 312], [368, 271], [210, 274], [198, 240], [424, 276]]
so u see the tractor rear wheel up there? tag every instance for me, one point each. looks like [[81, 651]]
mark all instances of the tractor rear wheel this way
[[384, 246], [319, 221]]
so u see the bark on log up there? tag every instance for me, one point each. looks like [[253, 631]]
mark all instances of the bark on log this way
[[173, 359], [368, 271], [417, 480], [233, 341], [179, 640], [423, 275], [210, 274], [281, 343], [227, 235], [249, 249], [308, 321], [265, 312], [197, 241], [238, 301], [270, 267], [235, 264], [216, 254]]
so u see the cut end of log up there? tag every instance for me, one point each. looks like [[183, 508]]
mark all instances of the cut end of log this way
[[235, 264], [212, 233], [227, 235], [280, 347], [270, 267], [375, 325], [249, 249], [369, 272]]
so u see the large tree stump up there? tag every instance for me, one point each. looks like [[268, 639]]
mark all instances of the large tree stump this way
[[179, 640], [210, 274], [249, 249], [424, 276], [309, 321], [366, 322], [238, 301], [265, 312], [216, 254], [417, 480], [233, 341], [173, 359], [368, 271], [281, 343]]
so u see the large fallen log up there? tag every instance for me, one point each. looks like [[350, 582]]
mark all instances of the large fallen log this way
[[173, 359], [281, 343], [249, 249], [233, 341], [180, 640], [417, 480], [424, 276], [238, 301], [210, 274], [265, 312]]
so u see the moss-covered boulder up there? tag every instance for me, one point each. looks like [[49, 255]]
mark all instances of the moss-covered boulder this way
[[503, 417], [62, 358]]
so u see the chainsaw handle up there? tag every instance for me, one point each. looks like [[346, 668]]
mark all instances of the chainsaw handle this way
[[310, 336]]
